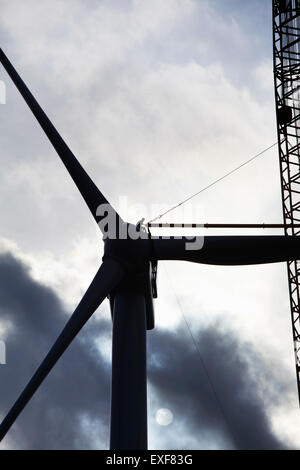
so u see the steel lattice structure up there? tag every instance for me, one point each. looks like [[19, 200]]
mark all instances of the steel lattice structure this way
[[286, 56]]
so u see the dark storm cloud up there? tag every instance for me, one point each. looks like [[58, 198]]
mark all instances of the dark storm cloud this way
[[79, 384], [215, 387]]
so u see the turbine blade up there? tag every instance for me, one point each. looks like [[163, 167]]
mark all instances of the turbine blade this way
[[107, 277], [228, 250], [89, 191]]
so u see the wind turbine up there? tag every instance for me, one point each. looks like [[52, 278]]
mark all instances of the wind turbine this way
[[127, 276]]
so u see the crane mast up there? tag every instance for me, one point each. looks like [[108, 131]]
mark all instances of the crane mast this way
[[286, 57]]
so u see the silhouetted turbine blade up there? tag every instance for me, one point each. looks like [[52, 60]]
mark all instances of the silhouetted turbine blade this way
[[89, 191], [228, 250], [107, 277]]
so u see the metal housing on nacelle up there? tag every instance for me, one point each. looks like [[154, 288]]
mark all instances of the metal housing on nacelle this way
[[135, 257]]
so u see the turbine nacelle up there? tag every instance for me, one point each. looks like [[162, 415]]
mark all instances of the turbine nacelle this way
[[135, 255]]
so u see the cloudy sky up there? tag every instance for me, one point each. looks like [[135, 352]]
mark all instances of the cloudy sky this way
[[157, 100]]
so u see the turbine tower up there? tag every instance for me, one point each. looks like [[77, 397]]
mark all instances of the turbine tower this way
[[127, 276]]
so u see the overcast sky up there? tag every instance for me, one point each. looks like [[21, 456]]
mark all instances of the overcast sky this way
[[157, 100]]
